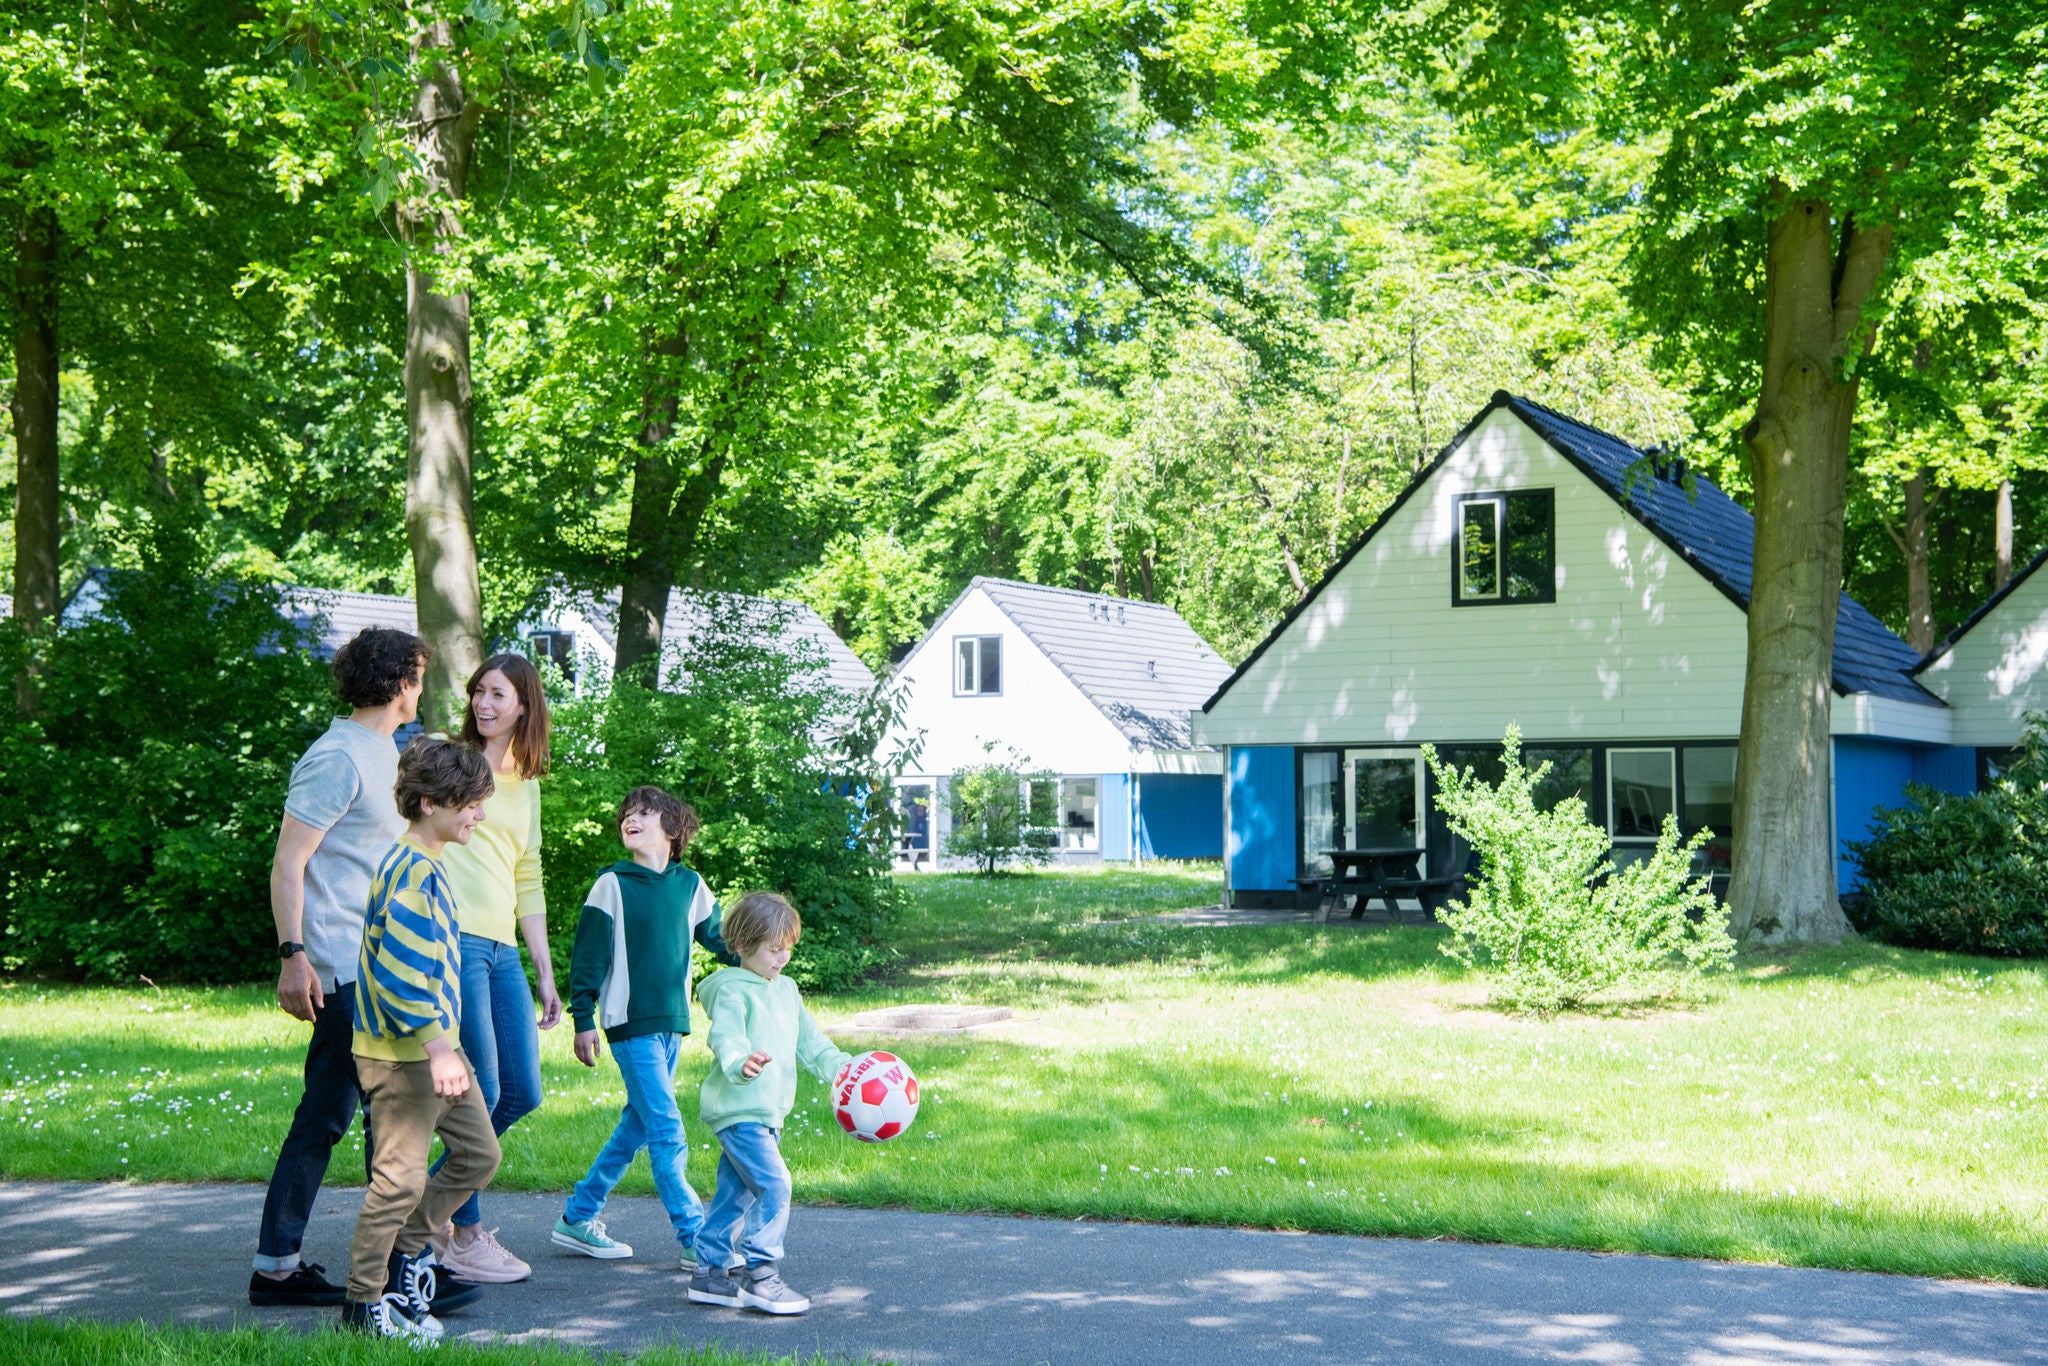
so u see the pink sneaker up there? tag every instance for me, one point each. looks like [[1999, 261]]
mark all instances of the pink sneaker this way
[[483, 1258]]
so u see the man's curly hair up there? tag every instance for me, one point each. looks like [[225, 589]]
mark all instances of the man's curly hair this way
[[371, 668]]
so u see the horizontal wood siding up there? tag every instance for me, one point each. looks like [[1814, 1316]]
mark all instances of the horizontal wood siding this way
[[1637, 644], [1995, 674]]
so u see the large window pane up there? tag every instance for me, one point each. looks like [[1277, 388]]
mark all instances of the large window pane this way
[[967, 652], [1483, 760], [1384, 817], [1641, 786], [1322, 795], [1570, 776], [991, 664], [1077, 813], [1479, 548], [1526, 548], [914, 805], [1710, 801]]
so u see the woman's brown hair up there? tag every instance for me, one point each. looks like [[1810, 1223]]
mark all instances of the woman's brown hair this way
[[530, 732]]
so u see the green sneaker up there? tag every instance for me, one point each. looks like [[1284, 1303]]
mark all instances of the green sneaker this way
[[589, 1239]]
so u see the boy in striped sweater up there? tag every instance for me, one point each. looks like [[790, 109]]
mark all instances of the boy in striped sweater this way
[[629, 975], [408, 1020]]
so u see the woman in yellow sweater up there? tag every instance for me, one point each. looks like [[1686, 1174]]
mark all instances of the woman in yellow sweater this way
[[496, 882]]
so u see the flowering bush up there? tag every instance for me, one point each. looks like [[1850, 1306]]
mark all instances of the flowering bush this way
[[1548, 910]]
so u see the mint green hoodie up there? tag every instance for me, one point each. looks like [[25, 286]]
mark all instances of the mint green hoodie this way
[[749, 1015]]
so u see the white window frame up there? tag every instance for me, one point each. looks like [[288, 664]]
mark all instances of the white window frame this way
[[976, 644], [1499, 504], [1349, 816], [1670, 753]]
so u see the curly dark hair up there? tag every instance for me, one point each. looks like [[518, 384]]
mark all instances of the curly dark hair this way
[[441, 772], [371, 668], [678, 818]]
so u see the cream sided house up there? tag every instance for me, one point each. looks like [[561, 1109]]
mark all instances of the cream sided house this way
[[1990, 671], [1546, 573], [1092, 688]]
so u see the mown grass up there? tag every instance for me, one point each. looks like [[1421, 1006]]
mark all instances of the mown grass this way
[[1859, 1107], [44, 1342]]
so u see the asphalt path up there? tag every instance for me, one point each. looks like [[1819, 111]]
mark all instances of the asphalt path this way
[[963, 1290]]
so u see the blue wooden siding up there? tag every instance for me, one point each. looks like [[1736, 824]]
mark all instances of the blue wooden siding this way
[[1261, 835], [1180, 815], [1871, 773], [1113, 815]]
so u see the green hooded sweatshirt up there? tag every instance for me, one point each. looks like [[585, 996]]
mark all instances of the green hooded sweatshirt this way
[[630, 968], [749, 1015]]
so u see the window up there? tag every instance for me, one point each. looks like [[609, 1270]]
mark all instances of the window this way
[[557, 648], [977, 666], [914, 809], [1506, 548], [1641, 787], [1322, 797], [1709, 784], [1570, 775], [1077, 813]]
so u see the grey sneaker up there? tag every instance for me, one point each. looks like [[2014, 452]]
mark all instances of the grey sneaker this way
[[763, 1290], [711, 1285], [590, 1239]]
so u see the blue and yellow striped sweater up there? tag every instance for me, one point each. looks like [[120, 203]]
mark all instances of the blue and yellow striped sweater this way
[[409, 984]]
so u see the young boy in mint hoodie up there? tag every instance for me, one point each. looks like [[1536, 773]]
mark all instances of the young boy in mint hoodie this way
[[760, 1031], [629, 973]]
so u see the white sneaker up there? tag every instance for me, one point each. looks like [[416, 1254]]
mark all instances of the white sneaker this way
[[482, 1259]]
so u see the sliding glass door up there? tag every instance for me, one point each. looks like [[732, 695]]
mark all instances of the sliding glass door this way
[[1383, 805]]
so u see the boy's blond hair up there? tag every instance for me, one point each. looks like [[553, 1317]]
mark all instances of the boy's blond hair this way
[[760, 918]]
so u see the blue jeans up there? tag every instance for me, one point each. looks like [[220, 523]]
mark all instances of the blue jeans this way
[[501, 1038], [326, 1108], [650, 1120], [752, 1202]]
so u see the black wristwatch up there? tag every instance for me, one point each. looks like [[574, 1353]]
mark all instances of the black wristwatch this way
[[287, 949]]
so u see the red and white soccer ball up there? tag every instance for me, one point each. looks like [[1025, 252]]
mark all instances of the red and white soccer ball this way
[[875, 1097]]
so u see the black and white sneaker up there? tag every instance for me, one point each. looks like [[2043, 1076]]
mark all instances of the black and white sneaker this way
[[385, 1317], [307, 1284], [411, 1282]]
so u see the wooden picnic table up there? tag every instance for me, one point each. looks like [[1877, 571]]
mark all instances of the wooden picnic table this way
[[1367, 874]]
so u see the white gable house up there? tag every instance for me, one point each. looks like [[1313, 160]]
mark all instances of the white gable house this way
[[1990, 670], [1094, 688], [1545, 573]]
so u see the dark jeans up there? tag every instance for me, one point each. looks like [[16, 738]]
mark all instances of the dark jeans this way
[[325, 1111]]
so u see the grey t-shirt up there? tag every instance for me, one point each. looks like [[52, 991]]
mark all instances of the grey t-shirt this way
[[342, 785]]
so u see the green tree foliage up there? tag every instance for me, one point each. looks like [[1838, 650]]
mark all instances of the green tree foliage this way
[[139, 805], [1549, 911], [1001, 814], [771, 756], [1964, 872]]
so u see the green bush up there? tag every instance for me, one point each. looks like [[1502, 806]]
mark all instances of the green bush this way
[[1551, 914], [139, 804], [1000, 815], [771, 758], [1966, 872]]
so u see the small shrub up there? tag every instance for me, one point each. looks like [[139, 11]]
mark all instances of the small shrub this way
[[1548, 910], [139, 803], [751, 736], [1001, 815], [1966, 872]]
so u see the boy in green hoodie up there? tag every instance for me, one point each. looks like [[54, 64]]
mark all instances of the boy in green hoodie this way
[[630, 973], [760, 1031]]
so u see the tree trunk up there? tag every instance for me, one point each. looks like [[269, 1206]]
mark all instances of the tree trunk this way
[[661, 530], [1815, 289], [1286, 546], [36, 535], [2001, 538], [440, 517], [1919, 601]]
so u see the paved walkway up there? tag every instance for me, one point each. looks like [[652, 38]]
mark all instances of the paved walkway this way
[[940, 1290]]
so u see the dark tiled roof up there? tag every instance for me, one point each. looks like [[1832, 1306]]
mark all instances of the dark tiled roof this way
[[1706, 528], [765, 619], [1138, 662], [339, 614]]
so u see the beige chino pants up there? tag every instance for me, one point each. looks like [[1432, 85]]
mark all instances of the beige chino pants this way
[[404, 1204]]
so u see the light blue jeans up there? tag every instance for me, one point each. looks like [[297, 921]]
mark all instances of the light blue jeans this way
[[501, 1038], [752, 1203], [650, 1120]]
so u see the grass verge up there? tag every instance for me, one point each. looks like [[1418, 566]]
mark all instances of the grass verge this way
[[1859, 1107], [43, 1342]]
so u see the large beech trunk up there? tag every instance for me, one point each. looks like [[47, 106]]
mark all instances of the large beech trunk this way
[[34, 410], [440, 519], [1818, 277], [662, 529]]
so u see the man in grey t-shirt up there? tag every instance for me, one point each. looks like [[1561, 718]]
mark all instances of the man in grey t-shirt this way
[[340, 819]]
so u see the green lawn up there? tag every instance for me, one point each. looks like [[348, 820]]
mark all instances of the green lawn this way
[[42, 1342], [1860, 1107]]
